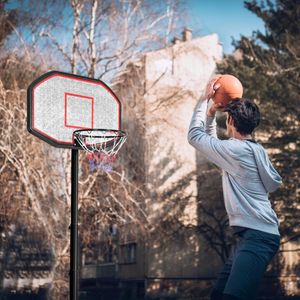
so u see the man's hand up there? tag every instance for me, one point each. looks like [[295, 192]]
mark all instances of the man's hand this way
[[211, 87]]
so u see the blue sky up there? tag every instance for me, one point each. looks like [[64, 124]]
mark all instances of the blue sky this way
[[227, 18]]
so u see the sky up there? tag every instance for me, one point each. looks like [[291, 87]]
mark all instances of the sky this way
[[227, 18]]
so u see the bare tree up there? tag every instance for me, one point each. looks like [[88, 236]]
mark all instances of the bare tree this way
[[36, 178], [105, 36], [97, 38]]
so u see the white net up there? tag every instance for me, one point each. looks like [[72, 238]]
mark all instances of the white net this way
[[103, 141]]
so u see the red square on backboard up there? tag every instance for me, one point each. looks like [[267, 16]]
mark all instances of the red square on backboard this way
[[79, 111]]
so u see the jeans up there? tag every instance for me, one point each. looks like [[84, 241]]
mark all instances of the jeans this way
[[246, 265]]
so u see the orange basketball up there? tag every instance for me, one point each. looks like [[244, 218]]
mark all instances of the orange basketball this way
[[230, 89]]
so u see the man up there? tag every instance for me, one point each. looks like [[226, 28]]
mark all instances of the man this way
[[247, 178]]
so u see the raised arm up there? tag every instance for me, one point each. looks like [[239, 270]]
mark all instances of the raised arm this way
[[211, 123], [202, 136], [215, 150]]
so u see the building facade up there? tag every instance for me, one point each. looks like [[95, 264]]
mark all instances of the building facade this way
[[159, 92]]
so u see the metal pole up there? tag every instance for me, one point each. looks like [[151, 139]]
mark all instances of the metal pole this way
[[74, 283]]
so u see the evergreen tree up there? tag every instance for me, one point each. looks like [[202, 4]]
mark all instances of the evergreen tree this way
[[268, 64]]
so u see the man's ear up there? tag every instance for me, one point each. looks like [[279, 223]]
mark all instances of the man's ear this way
[[230, 120]]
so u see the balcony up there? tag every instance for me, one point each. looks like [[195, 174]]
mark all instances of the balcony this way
[[104, 271]]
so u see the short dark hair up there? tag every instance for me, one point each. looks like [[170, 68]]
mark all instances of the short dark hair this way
[[245, 114]]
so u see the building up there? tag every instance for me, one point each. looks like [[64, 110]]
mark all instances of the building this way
[[159, 92]]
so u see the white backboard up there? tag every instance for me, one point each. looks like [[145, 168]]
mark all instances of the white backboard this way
[[60, 103]]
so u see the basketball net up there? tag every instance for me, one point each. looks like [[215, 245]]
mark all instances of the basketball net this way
[[101, 146]]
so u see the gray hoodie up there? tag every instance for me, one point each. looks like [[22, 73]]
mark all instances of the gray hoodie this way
[[248, 174]]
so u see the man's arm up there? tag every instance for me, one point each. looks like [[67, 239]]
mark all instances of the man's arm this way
[[214, 149], [211, 123]]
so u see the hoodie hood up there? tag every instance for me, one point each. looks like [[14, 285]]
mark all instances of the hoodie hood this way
[[269, 176]]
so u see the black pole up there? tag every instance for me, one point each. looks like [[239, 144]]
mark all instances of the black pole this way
[[74, 283]]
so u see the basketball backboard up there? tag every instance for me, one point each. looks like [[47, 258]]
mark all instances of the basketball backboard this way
[[60, 103]]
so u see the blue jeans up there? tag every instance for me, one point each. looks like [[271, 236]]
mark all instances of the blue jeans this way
[[246, 265]]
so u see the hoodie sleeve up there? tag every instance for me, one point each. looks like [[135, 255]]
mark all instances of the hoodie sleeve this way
[[215, 150], [211, 123], [268, 174]]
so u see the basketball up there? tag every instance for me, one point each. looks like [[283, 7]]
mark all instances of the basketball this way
[[230, 89]]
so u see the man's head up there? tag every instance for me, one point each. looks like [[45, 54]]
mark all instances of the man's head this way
[[243, 117]]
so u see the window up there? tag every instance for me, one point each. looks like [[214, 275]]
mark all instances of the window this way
[[128, 253]]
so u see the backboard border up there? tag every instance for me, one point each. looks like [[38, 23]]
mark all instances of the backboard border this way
[[30, 105]]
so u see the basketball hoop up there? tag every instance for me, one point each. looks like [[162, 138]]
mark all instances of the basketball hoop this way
[[58, 102], [101, 146]]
